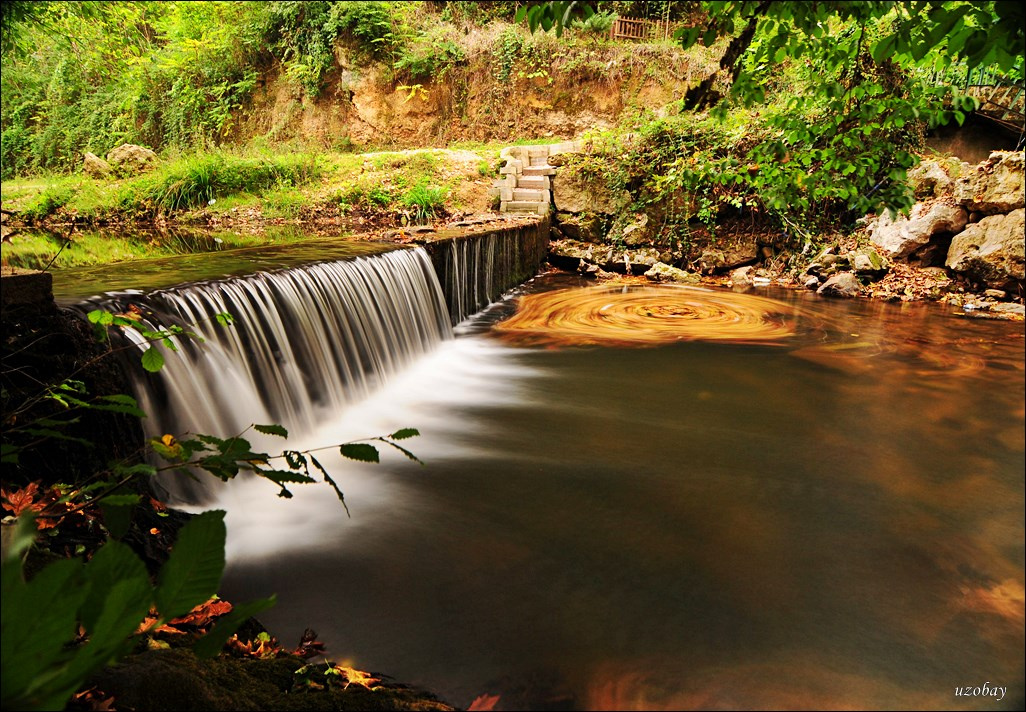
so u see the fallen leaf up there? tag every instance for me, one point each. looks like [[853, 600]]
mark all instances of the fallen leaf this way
[[482, 703]]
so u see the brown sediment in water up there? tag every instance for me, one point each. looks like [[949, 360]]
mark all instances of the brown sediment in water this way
[[647, 316]]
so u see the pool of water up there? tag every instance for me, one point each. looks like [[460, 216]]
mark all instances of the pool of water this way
[[831, 518]]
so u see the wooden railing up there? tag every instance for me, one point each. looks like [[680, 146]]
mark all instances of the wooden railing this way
[[1002, 102], [999, 99], [626, 28]]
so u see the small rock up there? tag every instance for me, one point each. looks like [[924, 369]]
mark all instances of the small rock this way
[[811, 282], [661, 272], [1010, 309], [842, 284], [742, 275], [995, 293]]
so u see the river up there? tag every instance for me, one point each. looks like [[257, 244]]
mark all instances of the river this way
[[830, 517]]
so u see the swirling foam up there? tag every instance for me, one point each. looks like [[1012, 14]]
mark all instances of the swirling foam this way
[[647, 316]]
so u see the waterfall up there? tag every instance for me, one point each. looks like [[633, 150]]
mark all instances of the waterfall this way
[[475, 270], [304, 341], [309, 340]]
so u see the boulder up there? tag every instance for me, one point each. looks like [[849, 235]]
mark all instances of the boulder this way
[[661, 272], [995, 185], [1010, 309], [742, 276], [588, 227], [898, 237], [992, 250], [578, 191], [129, 159], [929, 180], [842, 284], [727, 253], [95, 166]]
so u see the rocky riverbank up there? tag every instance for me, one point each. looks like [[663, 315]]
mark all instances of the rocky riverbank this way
[[961, 244]]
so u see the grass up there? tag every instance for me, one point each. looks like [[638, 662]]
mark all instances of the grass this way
[[400, 185]]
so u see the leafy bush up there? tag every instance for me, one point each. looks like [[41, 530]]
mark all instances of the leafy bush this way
[[428, 59], [368, 22]]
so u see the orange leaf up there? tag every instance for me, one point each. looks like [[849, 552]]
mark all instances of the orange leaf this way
[[357, 677], [21, 499], [482, 703]]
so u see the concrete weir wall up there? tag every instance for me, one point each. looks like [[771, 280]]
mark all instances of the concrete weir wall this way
[[475, 266]]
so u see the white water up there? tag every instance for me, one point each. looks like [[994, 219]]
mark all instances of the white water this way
[[429, 395]]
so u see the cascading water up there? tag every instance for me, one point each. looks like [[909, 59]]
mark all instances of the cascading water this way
[[304, 342], [475, 271]]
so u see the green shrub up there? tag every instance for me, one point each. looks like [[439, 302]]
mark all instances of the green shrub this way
[[428, 59], [194, 182], [426, 201], [597, 24], [53, 198]]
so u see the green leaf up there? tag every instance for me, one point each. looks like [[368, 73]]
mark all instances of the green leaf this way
[[330, 481], [211, 644], [272, 430], [282, 476], [404, 451], [360, 451], [33, 644], [113, 563], [404, 433], [97, 316], [193, 571], [152, 359]]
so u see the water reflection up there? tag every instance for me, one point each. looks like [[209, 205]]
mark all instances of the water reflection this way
[[837, 523]]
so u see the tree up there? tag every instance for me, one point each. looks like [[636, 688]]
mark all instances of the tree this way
[[869, 76]]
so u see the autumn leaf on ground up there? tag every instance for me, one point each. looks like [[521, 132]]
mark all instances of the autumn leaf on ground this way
[[199, 619], [204, 614], [356, 677], [483, 703], [39, 501], [265, 646]]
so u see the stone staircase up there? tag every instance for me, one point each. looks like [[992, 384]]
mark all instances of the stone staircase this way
[[526, 182]]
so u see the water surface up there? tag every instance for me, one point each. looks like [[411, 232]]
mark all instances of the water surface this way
[[830, 520]]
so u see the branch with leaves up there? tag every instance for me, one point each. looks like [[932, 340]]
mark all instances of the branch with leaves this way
[[74, 617]]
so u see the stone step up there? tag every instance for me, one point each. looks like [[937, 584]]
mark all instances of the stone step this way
[[539, 171], [512, 166], [525, 206], [538, 196], [539, 160], [534, 182], [538, 152]]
